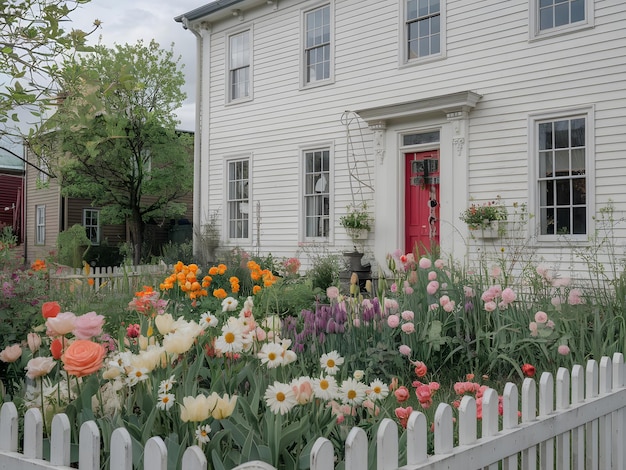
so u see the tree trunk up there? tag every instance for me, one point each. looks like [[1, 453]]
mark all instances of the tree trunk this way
[[136, 226]]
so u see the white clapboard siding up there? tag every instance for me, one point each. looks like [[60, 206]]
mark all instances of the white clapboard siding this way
[[577, 422]]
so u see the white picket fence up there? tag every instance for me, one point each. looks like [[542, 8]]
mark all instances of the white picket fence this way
[[581, 426], [111, 278]]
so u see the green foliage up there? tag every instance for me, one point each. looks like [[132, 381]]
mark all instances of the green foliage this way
[[72, 245], [114, 138], [172, 252], [477, 215], [357, 217]]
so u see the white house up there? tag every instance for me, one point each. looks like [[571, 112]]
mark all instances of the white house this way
[[304, 106]]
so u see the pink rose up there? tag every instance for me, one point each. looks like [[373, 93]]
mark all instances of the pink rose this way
[[439, 264], [541, 317], [11, 353], [408, 290], [88, 325], [468, 291], [490, 306], [444, 299], [432, 287], [403, 415], [408, 328], [575, 297], [332, 292], [408, 315], [402, 394], [563, 350], [508, 295], [425, 263], [449, 307], [532, 326], [60, 325], [420, 369], [432, 276], [393, 321], [394, 288], [495, 272], [404, 350]]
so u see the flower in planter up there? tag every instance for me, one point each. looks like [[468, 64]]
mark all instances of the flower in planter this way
[[356, 219], [480, 215]]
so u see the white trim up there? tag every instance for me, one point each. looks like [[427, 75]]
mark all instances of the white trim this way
[[534, 33], [588, 112], [227, 35], [40, 240], [403, 39], [303, 72], [98, 227], [302, 149], [226, 225]]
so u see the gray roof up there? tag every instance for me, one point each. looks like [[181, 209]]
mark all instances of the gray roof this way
[[8, 161], [206, 10]]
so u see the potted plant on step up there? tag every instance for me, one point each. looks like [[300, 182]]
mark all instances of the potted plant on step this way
[[357, 221]]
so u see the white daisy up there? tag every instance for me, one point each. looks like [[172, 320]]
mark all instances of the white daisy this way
[[271, 354], [229, 304], [280, 398], [167, 385], [352, 392], [231, 340], [325, 387], [136, 375], [208, 319], [202, 434], [378, 390], [165, 401], [330, 362]]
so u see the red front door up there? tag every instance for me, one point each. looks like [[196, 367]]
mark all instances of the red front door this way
[[421, 203]]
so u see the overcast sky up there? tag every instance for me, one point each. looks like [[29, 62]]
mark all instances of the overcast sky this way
[[127, 21]]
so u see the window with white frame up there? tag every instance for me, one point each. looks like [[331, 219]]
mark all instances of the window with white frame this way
[[42, 176], [555, 13], [40, 225], [562, 154], [317, 44], [317, 193], [423, 28], [238, 202], [239, 65], [91, 222]]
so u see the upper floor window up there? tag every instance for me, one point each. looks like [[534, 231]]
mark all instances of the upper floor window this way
[[44, 170], [239, 65], [238, 203], [550, 17], [91, 222], [317, 44], [40, 225], [423, 28], [562, 153], [317, 193]]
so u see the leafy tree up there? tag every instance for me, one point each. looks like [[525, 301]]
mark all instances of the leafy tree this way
[[32, 40], [114, 139]]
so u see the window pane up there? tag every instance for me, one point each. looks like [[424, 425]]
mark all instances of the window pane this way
[[578, 132], [578, 10], [424, 138], [580, 220], [578, 162], [423, 8], [563, 221], [563, 192], [434, 6], [545, 164], [545, 19], [579, 191], [561, 134], [547, 221], [561, 14], [411, 9], [545, 136], [562, 163]]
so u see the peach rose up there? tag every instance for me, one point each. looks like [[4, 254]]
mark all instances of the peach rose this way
[[11, 353], [39, 366], [34, 341], [60, 325], [83, 357], [88, 325]]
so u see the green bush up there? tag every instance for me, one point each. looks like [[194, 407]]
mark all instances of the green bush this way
[[72, 245]]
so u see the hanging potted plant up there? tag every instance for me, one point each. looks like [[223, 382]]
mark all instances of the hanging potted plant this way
[[357, 221], [486, 218]]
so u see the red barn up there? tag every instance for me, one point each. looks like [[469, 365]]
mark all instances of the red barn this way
[[12, 193]]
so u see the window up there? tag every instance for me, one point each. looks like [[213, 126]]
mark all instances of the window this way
[[555, 13], [91, 222], [316, 193], [238, 199], [423, 28], [562, 153], [40, 225], [548, 17], [317, 48], [42, 177], [239, 65]]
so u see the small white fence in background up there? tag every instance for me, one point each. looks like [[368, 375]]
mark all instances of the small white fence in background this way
[[581, 426], [112, 278]]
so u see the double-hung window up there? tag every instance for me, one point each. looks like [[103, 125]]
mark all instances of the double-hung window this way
[[423, 28], [40, 225], [91, 222], [238, 203], [239, 66], [317, 193], [317, 44], [562, 150], [554, 16]]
